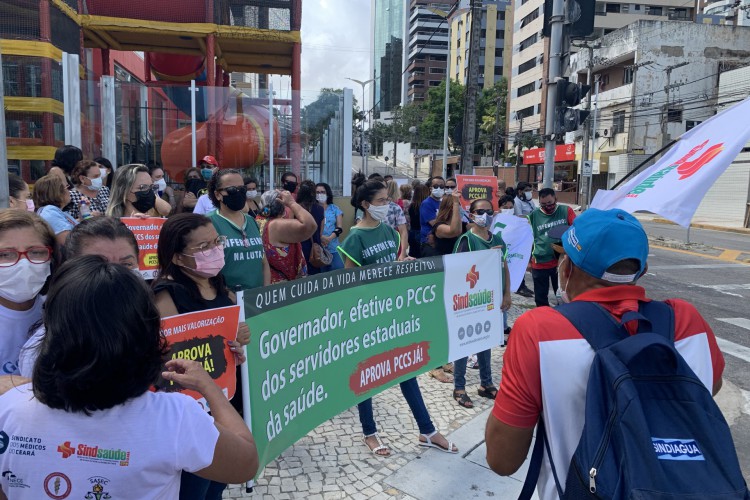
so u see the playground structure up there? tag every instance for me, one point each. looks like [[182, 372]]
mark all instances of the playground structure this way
[[180, 41]]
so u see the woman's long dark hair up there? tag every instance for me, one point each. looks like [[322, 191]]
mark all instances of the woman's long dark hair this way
[[95, 356], [306, 195], [172, 241]]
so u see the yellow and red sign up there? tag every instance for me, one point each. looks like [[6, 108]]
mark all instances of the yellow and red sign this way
[[146, 233], [476, 187]]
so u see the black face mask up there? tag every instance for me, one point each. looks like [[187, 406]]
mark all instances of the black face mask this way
[[195, 185], [290, 186], [144, 200], [235, 199]]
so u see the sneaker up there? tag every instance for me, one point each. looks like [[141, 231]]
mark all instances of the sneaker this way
[[507, 331], [524, 291]]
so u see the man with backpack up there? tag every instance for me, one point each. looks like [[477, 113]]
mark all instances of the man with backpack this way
[[622, 397]]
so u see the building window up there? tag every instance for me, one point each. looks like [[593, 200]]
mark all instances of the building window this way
[[526, 89], [525, 112], [674, 115], [434, 83], [627, 76], [527, 19], [613, 8], [483, 34], [524, 67], [654, 11], [501, 15], [439, 71], [498, 70], [691, 124], [498, 52], [10, 79], [527, 43], [618, 122]]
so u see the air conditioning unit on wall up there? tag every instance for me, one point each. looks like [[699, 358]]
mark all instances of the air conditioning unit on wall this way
[[606, 133]]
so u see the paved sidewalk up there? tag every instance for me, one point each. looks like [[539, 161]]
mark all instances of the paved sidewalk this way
[[332, 461]]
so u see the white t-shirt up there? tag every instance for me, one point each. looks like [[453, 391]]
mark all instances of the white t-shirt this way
[[135, 450], [14, 333], [29, 353], [203, 205]]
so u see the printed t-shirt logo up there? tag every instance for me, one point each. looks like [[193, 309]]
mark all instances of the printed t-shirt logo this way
[[472, 277], [13, 480], [4, 440], [676, 449], [20, 445], [88, 453], [57, 486], [97, 488]]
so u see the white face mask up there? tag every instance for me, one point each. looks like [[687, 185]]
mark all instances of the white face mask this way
[[449, 191], [22, 282], [30, 205], [104, 175], [378, 212], [322, 198], [161, 185], [528, 195], [438, 192], [96, 184], [252, 194], [506, 211], [482, 220]]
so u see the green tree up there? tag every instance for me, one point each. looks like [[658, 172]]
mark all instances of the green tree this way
[[491, 104]]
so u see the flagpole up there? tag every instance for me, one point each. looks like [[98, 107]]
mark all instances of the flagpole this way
[[636, 169]]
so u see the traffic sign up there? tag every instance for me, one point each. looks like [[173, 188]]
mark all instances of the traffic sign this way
[[588, 168]]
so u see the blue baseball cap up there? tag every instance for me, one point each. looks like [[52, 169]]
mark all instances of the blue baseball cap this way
[[599, 239]]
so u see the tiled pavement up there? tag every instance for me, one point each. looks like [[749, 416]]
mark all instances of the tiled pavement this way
[[332, 461]]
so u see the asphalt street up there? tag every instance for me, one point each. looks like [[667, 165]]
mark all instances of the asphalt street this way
[[720, 239]]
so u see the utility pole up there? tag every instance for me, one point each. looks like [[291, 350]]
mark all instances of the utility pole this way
[[518, 149], [495, 138], [470, 109], [586, 130], [633, 93], [556, 22], [593, 144], [667, 88]]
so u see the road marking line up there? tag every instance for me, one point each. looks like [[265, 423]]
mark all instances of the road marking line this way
[[725, 289], [688, 252], [736, 350], [695, 266], [741, 322], [730, 255]]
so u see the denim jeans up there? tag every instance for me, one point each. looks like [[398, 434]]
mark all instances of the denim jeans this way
[[542, 279], [485, 371], [413, 396], [335, 264], [193, 487]]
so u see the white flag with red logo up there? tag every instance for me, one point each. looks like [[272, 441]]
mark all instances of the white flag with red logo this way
[[675, 185]]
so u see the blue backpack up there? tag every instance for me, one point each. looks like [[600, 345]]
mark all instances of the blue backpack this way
[[652, 430]]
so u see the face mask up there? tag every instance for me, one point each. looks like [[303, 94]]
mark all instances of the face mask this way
[[252, 194], [528, 195], [322, 198], [564, 298], [104, 175], [96, 184], [207, 173], [448, 191], [506, 211], [290, 186], [549, 210], [235, 200], [482, 220], [30, 205], [378, 212], [22, 282], [209, 265], [161, 185], [194, 185], [438, 192], [144, 200]]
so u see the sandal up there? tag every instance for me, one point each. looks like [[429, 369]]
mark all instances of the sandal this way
[[439, 375], [448, 368], [489, 392], [379, 447], [429, 444], [463, 399]]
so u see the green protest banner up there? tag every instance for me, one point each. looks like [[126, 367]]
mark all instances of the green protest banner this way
[[323, 344]]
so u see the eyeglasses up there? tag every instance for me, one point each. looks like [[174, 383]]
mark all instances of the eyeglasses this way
[[205, 248], [144, 187], [483, 211], [234, 189], [36, 255]]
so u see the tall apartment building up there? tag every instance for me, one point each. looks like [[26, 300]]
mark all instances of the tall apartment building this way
[[387, 42], [426, 50], [527, 92], [734, 12], [492, 46]]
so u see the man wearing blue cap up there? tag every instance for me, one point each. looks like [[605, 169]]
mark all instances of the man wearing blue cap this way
[[547, 363]]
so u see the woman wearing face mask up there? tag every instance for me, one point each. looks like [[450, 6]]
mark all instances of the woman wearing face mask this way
[[50, 195], [252, 205], [163, 190], [103, 236], [106, 168], [506, 205], [306, 198], [447, 228], [478, 238], [364, 246], [26, 248], [246, 265], [20, 196], [191, 257], [133, 194], [284, 225], [334, 220], [89, 189], [524, 204], [194, 187]]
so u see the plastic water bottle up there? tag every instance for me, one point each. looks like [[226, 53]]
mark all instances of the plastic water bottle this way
[[83, 207]]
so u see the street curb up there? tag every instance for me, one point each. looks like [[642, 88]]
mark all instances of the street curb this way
[[739, 230]]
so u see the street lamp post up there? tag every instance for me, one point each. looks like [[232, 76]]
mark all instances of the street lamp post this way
[[364, 108]]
